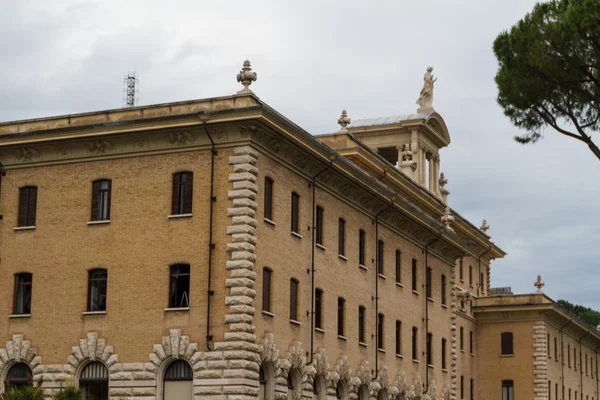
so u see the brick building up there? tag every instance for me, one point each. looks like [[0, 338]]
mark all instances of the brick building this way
[[213, 249]]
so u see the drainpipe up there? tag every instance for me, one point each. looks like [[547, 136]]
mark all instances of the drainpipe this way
[[427, 284], [479, 270], [377, 261], [562, 359], [581, 364], [211, 246], [312, 268]]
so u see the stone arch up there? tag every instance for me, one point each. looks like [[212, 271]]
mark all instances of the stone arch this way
[[269, 362], [321, 365], [18, 351], [341, 376], [90, 350], [401, 389], [295, 361], [362, 385], [438, 125]]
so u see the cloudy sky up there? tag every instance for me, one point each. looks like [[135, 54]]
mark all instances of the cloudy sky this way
[[314, 58]]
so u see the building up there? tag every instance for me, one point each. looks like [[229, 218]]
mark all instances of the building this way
[[213, 249]]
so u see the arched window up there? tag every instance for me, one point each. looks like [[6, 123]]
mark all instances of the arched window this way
[[22, 299], [178, 382], [97, 279], [94, 381], [19, 375], [179, 286]]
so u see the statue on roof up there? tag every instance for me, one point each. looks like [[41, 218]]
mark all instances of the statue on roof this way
[[425, 99]]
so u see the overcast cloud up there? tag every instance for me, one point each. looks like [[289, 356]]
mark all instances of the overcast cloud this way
[[314, 58]]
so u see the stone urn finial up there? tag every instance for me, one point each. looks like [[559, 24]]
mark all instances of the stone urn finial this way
[[344, 120], [484, 226], [539, 284], [246, 77], [443, 181], [447, 219]]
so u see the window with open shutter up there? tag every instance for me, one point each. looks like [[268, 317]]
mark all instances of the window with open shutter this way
[[27, 206], [183, 193], [179, 291]]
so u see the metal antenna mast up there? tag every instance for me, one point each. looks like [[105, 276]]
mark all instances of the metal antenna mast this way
[[130, 90]]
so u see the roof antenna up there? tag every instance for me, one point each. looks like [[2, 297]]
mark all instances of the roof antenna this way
[[131, 87]]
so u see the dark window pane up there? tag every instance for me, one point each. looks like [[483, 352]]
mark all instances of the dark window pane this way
[[507, 343], [415, 354], [380, 331], [341, 304], [443, 289], [361, 247], [294, 299], [429, 349], [179, 293], [428, 283], [361, 324], [318, 308], [414, 274], [319, 226], [97, 279], [266, 295], [268, 199], [443, 353], [342, 237], [295, 212], [380, 257], [27, 206], [19, 376], [398, 337], [398, 267], [101, 191], [23, 290]]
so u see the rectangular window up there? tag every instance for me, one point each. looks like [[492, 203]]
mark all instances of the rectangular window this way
[[341, 307], [183, 193], [179, 292], [481, 283], [319, 308], [398, 267], [361, 324], [101, 200], [471, 390], [429, 349], [414, 274], [97, 279], [471, 342], [380, 257], [268, 211], [341, 237], [23, 292], [398, 337], [266, 290], [470, 275], [294, 299], [27, 206], [319, 227], [569, 355], [443, 289], [506, 343], [295, 212], [380, 331], [462, 387], [549, 390], [415, 354], [428, 283], [575, 358], [443, 353], [548, 345], [361, 247], [460, 270], [462, 338], [556, 349]]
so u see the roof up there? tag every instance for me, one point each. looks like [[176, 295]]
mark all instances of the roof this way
[[394, 119]]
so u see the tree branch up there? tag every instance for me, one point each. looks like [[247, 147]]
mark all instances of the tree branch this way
[[547, 116]]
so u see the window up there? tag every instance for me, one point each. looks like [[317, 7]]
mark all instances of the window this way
[[22, 300], [472, 391], [549, 390], [97, 290], [443, 289], [94, 381], [428, 283], [460, 270], [179, 293], [380, 257], [178, 382], [398, 337], [341, 306], [462, 338], [506, 343], [429, 348], [586, 365], [569, 355], [575, 358], [294, 299], [361, 247], [471, 342], [414, 274], [415, 355], [27, 206], [341, 237], [295, 212], [443, 353], [361, 324], [380, 331], [398, 267], [556, 391], [266, 289], [556, 349], [19, 375], [183, 193], [319, 308], [470, 275], [101, 200], [462, 387], [481, 283], [319, 227], [548, 345], [268, 211]]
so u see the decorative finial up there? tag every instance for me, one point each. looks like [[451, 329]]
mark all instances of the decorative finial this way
[[246, 77], [539, 284], [447, 219], [425, 99], [344, 120], [443, 181], [484, 226]]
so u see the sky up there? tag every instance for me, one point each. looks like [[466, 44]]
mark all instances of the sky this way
[[313, 59]]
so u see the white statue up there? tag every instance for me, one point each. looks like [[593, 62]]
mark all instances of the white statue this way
[[425, 99]]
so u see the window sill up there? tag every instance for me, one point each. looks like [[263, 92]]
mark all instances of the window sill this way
[[175, 216], [381, 350], [415, 361], [103, 222], [431, 366], [19, 316], [462, 280], [344, 338], [462, 351], [175, 309], [268, 221], [320, 330], [268, 313], [508, 356], [400, 356], [472, 354], [444, 370], [24, 228], [363, 344], [94, 313], [343, 257], [320, 246], [293, 321], [471, 286], [444, 306], [363, 267], [430, 299], [382, 276], [399, 285], [296, 235], [415, 292]]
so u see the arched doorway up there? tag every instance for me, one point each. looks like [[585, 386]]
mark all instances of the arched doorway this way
[[178, 382], [19, 375], [94, 381]]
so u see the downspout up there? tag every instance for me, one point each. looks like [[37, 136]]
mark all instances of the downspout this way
[[312, 268], [427, 284], [581, 364], [211, 246], [562, 359], [479, 270], [377, 285]]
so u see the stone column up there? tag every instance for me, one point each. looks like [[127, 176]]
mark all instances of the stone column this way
[[432, 182], [540, 360], [453, 344], [436, 175]]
